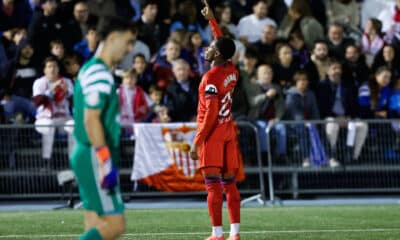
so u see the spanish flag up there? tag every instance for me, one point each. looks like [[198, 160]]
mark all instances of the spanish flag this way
[[162, 158]]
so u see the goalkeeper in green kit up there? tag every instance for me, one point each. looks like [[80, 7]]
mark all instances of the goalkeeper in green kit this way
[[97, 133]]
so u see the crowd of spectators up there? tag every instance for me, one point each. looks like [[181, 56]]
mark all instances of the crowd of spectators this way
[[298, 60]]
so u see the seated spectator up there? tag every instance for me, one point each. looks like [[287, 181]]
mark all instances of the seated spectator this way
[[390, 58], [186, 18], [51, 95], [87, 47], [223, 15], [301, 105], [299, 51], [14, 14], [72, 64], [266, 44], [336, 105], [372, 42], [158, 111], [319, 57], [134, 102], [284, 68], [182, 93], [355, 70], [300, 19], [19, 73], [267, 107], [163, 66], [336, 41], [144, 73], [45, 27], [250, 27]]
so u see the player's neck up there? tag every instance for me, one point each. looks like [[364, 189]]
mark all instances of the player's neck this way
[[102, 53], [217, 62]]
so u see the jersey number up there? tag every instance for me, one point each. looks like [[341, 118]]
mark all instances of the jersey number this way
[[226, 104]]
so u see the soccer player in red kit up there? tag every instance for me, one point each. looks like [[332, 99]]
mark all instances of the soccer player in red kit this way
[[215, 143]]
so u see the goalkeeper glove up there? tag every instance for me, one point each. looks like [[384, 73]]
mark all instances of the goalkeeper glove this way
[[108, 172]]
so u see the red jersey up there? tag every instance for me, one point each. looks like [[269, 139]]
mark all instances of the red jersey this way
[[215, 99]]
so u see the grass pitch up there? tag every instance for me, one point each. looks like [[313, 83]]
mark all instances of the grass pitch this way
[[277, 223]]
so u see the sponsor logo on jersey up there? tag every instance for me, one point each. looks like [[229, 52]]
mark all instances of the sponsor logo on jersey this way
[[211, 89], [230, 78]]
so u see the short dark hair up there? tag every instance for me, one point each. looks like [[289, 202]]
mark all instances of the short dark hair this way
[[146, 3], [332, 61], [109, 24], [226, 47], [319, 41], [297, 74], [51, 59], [139, 55]]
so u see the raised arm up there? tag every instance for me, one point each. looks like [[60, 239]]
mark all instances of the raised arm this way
[[209, 15]]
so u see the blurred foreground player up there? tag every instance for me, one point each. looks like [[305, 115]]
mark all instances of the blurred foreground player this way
[[97, 133], [216, 143]]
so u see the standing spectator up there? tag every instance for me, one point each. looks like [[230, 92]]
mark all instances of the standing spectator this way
[[51, 94], [284, 67], [336, 40], [182, 93], [14, 14], [372, 41], [390, 58], [19, 73], [355, 70], [163, 66], [319, 58], [144, 72], [45, 27], [87, 48], [78, 26], [300, 19], [134, 102], [266, 44], [250, 27], [267, 107], [149, 31], [301, 105]]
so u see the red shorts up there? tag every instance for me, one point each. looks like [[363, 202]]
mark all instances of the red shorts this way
[[221, 150]]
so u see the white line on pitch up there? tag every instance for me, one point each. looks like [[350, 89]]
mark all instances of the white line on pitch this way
[[205, 233]]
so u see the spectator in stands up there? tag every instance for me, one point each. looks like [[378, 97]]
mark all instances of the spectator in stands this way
[[345, 12], [87, 47], [374, 96], [102, 7], [390, 18], [266, 44], [248, 71], [19, 73], [267, 107], [138, 47], [394, 104], [250, 27], [390, 58], [223, 15], [182, 93], [78, 26], [144, 72], [372, 41], [45, 27], [57, 49], [337, 106], [336, 41], [149, 31], [134, 103], [284, 67], [240, 8], [319, 58], [14, 14], [186, 18], [300, 105], [158, 112], [51, 95], [194, 45], [355, 70], [72, 64], [163, 66], [300, 19], [300, 52]]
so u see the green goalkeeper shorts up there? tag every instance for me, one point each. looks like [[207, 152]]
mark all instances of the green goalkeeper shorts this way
[[85, 165]]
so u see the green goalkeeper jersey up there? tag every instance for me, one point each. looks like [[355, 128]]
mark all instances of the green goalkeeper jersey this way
[[96, 89]]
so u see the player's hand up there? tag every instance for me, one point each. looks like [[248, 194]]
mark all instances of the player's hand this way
[[194, 152], [108, 172], [206, 11]]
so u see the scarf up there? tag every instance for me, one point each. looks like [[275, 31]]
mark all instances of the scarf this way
[[134, 109]]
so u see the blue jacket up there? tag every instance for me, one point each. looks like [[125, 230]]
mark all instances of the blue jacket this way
[[364, 101]]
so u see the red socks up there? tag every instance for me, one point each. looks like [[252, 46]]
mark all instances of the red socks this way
[[214, 199], [233, 200]]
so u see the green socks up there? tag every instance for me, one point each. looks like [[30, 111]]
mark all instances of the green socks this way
[[91, 234]]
